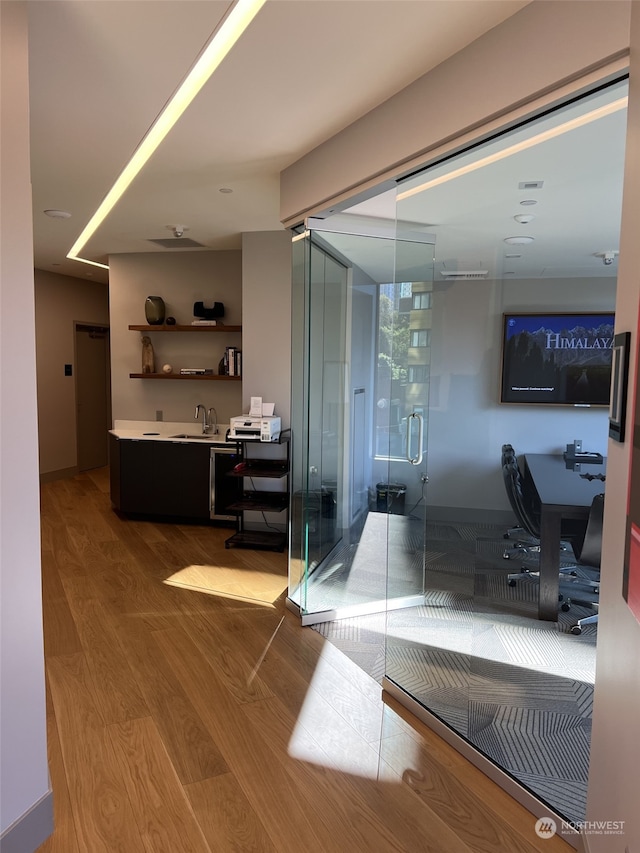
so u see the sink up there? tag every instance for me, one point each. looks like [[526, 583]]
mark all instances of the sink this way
[[201, 436]]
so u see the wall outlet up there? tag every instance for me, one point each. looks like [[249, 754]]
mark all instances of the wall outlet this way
[[159, 414]]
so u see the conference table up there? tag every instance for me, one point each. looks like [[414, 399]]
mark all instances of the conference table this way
[[566, 490]]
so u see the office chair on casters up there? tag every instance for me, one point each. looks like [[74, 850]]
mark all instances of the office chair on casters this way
[[589, 556], [521, 530], [529, 519]]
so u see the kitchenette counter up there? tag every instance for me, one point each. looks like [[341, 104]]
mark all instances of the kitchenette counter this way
[[191, 431]]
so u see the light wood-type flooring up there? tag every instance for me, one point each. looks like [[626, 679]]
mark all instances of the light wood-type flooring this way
[[195, 716]]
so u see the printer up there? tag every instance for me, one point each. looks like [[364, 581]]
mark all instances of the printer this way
[[255, 427]]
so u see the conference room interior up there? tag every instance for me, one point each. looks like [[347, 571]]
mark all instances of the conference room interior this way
[[453, 633]]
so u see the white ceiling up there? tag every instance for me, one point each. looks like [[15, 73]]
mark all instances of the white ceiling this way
[[101, 71], [575, 214]]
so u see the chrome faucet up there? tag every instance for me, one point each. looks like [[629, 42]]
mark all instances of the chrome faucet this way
[[213, 421], [209, 424]]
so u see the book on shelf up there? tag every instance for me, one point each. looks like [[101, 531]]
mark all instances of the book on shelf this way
[[233, 361], [204, 322]]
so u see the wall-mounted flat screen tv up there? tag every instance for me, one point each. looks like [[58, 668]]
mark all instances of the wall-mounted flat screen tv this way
[[563, 359]]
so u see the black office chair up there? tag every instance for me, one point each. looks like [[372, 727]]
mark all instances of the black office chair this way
[[519, 530], [528, 516], [525, 502]]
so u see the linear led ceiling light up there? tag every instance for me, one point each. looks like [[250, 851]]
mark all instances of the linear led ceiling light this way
[[572, 124], [218, 46]]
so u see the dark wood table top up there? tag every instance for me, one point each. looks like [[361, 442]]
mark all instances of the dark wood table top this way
[[559, 483]]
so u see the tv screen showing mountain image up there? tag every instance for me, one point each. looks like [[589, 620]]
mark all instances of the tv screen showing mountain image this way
[[560, 359]]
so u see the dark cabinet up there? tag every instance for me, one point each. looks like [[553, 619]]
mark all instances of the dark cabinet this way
[[161, 478]]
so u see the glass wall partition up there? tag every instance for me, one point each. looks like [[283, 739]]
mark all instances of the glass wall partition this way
[[361, 327], [516, 232], [397, 366]]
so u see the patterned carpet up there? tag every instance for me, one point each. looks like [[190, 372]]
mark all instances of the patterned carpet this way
[[520, 690]]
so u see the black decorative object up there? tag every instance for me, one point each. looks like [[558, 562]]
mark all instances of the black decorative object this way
[[170, 321], [154, 310], [208, 313]]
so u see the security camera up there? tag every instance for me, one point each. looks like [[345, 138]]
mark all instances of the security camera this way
[[178, 232], [608, 256]]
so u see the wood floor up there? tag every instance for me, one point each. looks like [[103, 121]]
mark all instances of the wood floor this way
[[186, 721]]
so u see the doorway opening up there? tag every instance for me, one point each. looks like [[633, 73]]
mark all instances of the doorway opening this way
[[93, 395]]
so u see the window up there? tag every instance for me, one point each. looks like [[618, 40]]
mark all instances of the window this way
[[418, 373], [420, 337], [421, 301]]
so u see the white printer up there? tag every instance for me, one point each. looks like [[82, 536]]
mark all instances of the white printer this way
[[255, 427]]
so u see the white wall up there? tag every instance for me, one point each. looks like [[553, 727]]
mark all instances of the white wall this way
[[60, 301], [614, 773], [180, 278], [24, 778], [467, 424]]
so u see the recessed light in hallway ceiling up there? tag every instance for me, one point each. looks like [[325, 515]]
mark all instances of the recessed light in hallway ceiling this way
[[514, 240]]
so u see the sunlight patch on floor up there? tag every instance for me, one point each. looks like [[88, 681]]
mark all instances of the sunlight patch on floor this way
[[239, 584], [339, 728]]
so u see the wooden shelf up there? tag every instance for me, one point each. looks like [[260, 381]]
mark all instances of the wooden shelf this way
[[207, 377], [163, 328]]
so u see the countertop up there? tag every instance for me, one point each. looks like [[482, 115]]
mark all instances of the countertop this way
[[167, 431]]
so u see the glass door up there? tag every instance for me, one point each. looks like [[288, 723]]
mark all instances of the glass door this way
[[361, 320]]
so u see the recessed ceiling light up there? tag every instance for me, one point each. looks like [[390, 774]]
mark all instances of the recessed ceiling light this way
[[524, 217], [225, 190], [527, 201], [513, 240], [512, 255], [57, 214]]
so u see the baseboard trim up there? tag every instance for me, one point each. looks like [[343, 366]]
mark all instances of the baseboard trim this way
[[62, 474], [31, 830], [537, 808]]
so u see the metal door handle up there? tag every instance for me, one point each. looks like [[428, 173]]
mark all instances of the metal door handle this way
[[415, 460]]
